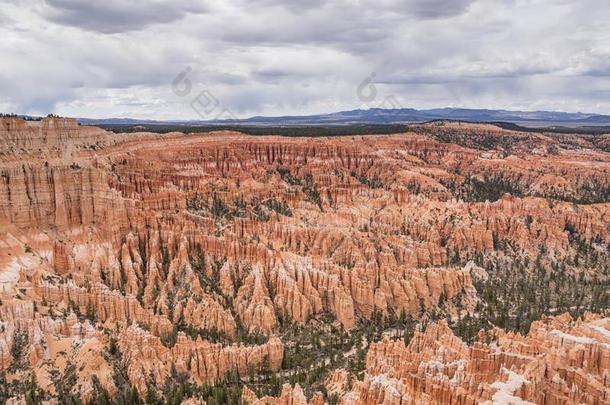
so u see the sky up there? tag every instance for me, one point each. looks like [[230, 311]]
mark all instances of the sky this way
[[190, 59]]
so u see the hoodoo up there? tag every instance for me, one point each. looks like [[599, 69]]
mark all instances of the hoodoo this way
[[449, 263]]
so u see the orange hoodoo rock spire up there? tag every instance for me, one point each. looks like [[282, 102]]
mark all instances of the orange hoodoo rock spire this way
[[236, 264]]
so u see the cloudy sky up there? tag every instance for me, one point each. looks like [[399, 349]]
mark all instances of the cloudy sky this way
[[185, 59]]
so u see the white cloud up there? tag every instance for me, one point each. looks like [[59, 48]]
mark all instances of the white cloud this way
[[118, 58]]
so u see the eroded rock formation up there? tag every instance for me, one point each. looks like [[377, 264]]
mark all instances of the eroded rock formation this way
[[198, 255], [559, 361]]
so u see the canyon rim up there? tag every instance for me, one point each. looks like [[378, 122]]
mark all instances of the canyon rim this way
[[448, 263]]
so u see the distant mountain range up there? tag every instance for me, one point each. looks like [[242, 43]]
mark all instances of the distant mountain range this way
[[390, 116]]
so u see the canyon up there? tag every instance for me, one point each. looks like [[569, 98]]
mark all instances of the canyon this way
[[449, 263]]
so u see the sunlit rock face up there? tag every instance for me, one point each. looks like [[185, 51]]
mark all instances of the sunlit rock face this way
[[560, 361], [193, 257]]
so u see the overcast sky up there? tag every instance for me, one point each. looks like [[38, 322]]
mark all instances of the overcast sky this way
[[113, 58]]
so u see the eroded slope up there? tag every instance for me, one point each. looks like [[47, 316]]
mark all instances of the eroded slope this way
[[223, 260]]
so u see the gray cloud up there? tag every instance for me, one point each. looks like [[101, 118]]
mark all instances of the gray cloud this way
[[112, 16], [276, 57], [428, 9]]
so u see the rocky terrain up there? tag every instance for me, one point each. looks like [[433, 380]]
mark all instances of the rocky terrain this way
[[452, 263]]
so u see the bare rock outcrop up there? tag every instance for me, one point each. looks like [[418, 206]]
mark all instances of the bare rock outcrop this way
[[204, 362], [200, 252], [560, 361]]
